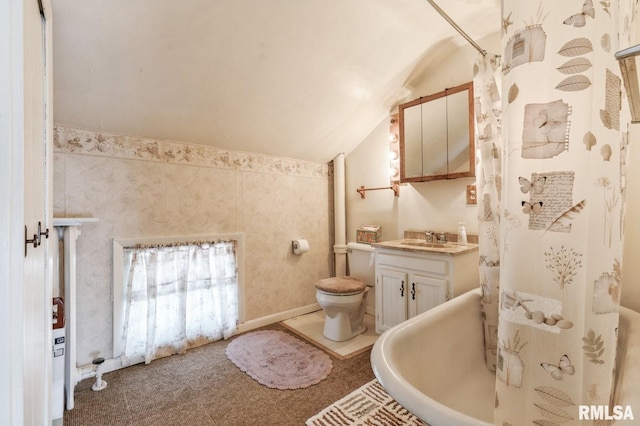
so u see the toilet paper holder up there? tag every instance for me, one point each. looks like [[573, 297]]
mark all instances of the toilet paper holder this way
[[299, 246]]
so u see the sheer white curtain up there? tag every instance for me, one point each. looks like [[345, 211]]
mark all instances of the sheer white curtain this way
[[178, 296]]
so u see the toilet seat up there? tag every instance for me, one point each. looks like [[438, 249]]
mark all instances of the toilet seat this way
[[341, 286], [344, 303]]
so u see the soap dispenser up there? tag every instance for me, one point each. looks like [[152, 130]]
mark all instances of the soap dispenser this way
[[462, 233]]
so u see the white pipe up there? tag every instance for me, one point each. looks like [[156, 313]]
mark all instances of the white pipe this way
[[340, 216], [71, 234], [68, 232], [99, 384], [86, 372]]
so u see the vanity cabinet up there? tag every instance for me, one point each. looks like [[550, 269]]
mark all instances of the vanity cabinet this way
[[410, 282]]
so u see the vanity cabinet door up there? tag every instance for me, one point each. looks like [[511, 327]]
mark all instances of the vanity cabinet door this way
[[410, 282], [391, 294], [425, 293]]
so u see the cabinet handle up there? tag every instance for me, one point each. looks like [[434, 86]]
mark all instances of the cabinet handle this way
[[413, 291], [402, 289]]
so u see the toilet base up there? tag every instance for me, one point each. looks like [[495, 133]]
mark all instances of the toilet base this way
[[344, 314], [359, 332], [339, 330]]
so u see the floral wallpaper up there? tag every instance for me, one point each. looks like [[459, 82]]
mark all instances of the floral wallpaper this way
[[555, 184], [77, 141], [150, 188]]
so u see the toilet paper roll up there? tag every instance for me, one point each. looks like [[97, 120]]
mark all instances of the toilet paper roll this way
[[300, 246]]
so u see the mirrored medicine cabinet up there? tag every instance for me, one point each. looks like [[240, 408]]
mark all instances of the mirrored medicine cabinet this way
[[437, 136]]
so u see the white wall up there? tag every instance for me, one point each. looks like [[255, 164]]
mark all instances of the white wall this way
[[143, 188], [12, 291], [435, 205], [630, 264]]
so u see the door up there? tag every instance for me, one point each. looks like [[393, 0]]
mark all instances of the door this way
[[391, 306], [425, 293], [25, 372], [36, 286]]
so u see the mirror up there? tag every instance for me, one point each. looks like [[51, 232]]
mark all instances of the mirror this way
[[628, 59], [437, 136]]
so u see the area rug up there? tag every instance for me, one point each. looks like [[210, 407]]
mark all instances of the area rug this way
[[369, 405], [278, 360]]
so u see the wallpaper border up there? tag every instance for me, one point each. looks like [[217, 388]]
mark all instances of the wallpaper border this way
[[69, 140]]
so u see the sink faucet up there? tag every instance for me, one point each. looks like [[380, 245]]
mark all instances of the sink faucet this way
[[442, 238], [429, 236]]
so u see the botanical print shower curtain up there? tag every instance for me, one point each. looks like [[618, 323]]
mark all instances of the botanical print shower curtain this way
[[564, 133], [178, 296], [488, 104]]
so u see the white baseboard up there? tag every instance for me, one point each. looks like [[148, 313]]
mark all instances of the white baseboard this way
[[280, 316], [88, 371]]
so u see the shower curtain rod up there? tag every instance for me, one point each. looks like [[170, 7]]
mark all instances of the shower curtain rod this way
[[456, 27]]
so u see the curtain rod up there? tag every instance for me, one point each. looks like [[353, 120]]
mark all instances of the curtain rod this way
[[169, 244], [457, 28]]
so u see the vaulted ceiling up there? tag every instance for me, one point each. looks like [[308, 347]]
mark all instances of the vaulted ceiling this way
[[305, 79]]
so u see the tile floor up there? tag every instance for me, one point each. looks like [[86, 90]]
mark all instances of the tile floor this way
[[310, 327]]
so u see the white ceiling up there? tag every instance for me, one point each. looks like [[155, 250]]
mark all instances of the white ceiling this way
[[304, 79]]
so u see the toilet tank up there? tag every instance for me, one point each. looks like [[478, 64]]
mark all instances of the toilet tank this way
[[361, 262]]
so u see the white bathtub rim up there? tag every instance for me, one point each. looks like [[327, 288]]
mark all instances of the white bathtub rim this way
[[421, 405], [438, 414]]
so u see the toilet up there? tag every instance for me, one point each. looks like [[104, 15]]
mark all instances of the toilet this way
[[343, 299]]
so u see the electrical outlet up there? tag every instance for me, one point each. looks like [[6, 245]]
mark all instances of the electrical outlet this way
[[472, 196]]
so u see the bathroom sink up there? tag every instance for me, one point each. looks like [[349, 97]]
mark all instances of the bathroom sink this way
[[416, 244], [424, 244]]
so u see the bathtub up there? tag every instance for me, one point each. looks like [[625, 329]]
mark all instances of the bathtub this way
[[434, 366]]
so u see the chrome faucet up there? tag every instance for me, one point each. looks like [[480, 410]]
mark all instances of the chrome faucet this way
[[442, 238], [429, 236]]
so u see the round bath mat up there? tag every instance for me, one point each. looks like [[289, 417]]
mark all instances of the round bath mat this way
[[278, 360]]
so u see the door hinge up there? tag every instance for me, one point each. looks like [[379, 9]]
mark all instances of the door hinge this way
[[35, 240]]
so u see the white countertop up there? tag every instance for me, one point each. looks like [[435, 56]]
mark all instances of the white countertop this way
[[416, 245], [73, 221]]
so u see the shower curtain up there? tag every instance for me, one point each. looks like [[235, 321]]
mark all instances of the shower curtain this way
[[551, 206], [488, 114]]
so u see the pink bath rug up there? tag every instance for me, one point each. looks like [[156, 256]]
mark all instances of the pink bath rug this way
[[278, 360]]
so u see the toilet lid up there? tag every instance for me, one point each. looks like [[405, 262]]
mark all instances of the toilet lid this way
[[341, 285]]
